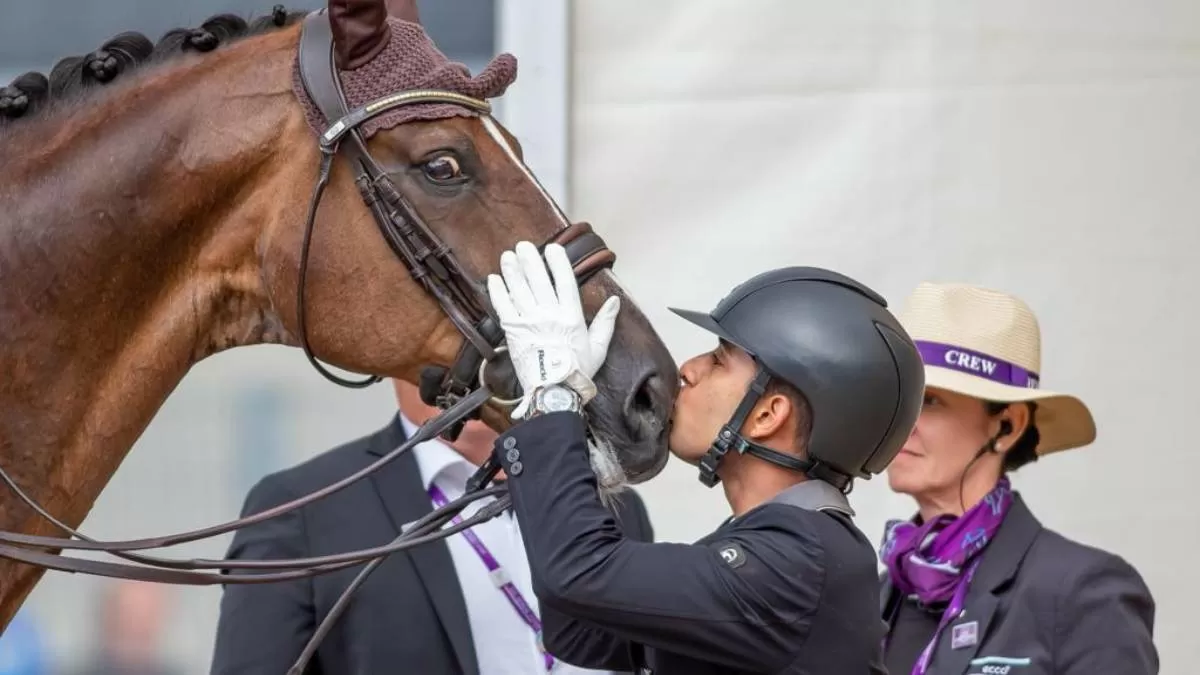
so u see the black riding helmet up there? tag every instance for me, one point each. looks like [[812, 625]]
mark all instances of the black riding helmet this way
[[834, 340]]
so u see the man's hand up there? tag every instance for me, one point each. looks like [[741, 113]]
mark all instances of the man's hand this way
[[549, 340]]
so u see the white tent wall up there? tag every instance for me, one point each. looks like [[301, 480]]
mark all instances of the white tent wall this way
[[1046, 149]]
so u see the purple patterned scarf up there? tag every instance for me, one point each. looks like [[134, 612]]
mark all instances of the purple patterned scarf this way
[[928, 560]]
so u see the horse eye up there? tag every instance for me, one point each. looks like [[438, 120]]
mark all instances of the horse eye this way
[[442, 169]]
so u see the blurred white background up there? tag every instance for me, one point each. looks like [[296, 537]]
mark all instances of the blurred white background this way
[[1046, 149]]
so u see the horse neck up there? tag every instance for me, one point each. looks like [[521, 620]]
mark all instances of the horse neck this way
[[128, 236]]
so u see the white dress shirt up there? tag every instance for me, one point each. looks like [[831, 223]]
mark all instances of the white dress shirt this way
[[504, 643]]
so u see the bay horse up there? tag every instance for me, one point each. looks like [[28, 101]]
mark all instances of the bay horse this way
[[157, 207]]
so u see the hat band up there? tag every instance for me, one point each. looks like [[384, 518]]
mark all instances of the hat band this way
[[976, 363]]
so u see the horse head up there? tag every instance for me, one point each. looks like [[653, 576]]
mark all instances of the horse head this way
[[430, 164]]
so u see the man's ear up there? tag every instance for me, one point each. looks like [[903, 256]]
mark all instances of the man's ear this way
[[771, 417]]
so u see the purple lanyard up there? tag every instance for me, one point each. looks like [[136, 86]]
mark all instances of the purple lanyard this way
[[953, 610], [499, 577]]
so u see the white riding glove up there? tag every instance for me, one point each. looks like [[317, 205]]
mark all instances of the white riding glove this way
[[548, 338]]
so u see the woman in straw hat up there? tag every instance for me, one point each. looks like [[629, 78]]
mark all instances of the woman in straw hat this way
[[974, 583]]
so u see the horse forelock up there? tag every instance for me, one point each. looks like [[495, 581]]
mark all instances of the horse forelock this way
[[410, 61]]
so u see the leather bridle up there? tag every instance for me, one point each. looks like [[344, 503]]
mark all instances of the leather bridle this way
[[430, 261], [459, 391]]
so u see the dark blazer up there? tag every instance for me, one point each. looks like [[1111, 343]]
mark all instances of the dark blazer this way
[[780, 589], [409, 616], [1044, 604]]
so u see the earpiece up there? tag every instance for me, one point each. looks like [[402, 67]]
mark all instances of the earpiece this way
[[1006, 428], [990, 446]]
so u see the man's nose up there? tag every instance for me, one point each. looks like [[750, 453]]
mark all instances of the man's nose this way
[[689, 372]]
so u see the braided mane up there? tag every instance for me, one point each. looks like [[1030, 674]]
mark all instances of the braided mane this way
[[33, 95]]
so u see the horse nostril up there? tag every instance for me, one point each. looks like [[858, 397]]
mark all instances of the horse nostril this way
[[647, 406], [642, 399]]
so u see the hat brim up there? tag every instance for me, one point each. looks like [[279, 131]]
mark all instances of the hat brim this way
[[1063, 421], [709, 324]]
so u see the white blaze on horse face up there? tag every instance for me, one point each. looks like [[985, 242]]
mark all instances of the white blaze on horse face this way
[[494, 131]]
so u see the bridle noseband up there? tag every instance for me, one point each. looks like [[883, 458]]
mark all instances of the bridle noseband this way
[[459, 391]]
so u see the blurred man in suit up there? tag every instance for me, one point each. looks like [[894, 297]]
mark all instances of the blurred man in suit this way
[[434, 609]]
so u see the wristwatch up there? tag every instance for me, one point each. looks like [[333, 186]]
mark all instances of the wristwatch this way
[[554, 398]]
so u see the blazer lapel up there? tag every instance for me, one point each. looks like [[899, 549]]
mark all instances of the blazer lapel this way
[[959, 643], [404, 497]]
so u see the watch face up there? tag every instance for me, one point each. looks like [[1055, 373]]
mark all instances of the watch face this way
[[557, 398]]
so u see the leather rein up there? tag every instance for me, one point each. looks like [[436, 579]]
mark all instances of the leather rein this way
[[459, 391]]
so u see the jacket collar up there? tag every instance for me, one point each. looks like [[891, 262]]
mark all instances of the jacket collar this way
[[1001, 560], [1004, 554], [814, 495]]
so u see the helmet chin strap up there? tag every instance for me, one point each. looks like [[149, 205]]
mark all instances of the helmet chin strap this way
[[730, 438]]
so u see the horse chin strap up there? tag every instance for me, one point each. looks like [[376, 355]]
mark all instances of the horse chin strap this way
[[730, 438]]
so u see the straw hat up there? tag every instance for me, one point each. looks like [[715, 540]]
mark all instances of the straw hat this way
[[987, 344]]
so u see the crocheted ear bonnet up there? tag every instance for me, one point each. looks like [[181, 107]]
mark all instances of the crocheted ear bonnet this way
[[410, 61]]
